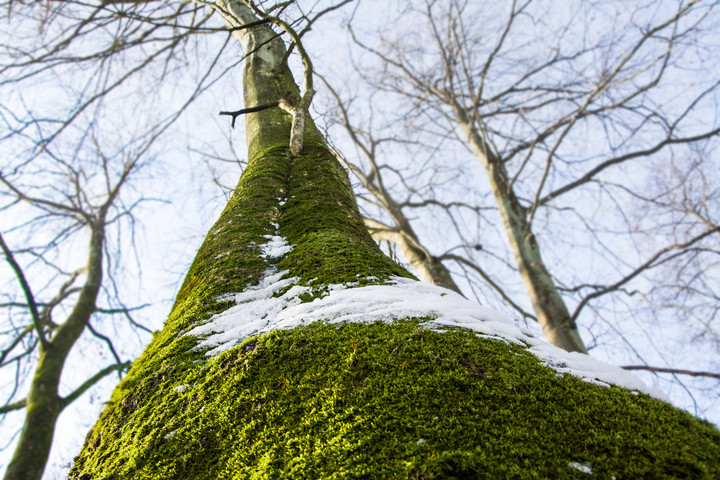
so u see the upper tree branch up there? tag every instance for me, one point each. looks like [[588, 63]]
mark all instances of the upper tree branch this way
[[27, 291]]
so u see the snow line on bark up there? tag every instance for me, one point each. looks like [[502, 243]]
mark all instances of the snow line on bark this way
[[262, 308]]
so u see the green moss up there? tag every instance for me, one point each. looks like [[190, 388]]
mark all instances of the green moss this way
[[386, 401], [319, 215], [322, 220], [360, 401]]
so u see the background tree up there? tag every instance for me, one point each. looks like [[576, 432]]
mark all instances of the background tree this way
[[37, 338]]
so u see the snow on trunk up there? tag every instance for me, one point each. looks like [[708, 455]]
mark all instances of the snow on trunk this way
[[275, 303]]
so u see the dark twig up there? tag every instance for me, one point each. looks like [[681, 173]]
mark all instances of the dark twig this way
[[109, 343], [672, 370], [28, 292], [248, 110], [13, 406]]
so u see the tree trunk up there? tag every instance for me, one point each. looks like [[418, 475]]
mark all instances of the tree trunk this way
[[44, 403], [389, 397], [552, 313], [429, 268]]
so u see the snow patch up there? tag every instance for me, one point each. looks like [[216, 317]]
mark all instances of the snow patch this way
[[275, 248], [254, 312], [583, 467], [261, 308]]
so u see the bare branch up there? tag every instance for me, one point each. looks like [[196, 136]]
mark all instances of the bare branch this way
[[676, 371], [10, 407], [87, 384], [640, 269], [35, 314]]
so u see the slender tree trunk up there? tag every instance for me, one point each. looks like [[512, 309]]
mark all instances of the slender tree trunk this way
[[389, 398], [429, 268], [44, 403], [552, 313]]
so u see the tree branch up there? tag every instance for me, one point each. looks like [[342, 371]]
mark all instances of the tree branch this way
[[14, 343], [13, 406], [65, 401], [648, 264], [243, 111], [677, 371], [623, 158], [105, 339], [486, 277], [27, 291]]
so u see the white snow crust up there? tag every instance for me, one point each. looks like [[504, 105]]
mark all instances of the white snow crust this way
[[258, 310], [276, 246], [583, 467]]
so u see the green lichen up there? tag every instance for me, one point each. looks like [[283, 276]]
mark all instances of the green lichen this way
[[387, 401]]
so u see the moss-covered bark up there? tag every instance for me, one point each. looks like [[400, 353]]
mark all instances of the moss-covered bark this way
[[387, 400]]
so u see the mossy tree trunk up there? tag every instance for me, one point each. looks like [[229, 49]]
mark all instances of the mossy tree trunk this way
[[378, 400]]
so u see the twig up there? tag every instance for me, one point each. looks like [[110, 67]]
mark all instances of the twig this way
[[678, 371], [107, 340], [92, 381], [13, 406], [27, 291], [237, 113]]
